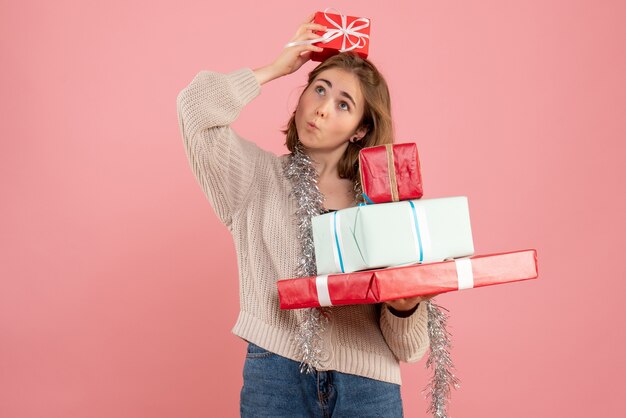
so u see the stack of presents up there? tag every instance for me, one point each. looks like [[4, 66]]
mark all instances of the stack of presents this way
[[397, 245]]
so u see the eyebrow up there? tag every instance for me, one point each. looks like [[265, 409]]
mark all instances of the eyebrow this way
[[343, 93]]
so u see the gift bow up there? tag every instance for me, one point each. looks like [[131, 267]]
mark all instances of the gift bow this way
[[343, 30]]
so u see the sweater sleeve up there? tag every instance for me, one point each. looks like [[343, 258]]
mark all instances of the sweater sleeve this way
[[406, 337], [222, 162]]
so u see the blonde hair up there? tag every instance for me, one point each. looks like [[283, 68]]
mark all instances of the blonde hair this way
[[376, 113]]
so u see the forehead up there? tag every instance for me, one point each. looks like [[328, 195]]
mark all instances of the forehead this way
[[342, 80]]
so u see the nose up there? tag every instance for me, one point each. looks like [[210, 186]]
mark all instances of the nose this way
[[322, 109]]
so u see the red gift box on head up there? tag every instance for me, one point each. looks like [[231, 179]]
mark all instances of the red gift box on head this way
[[375, 286], [344, 34], [390, 173]]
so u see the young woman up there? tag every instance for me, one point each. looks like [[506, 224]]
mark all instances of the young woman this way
[[260, 198]]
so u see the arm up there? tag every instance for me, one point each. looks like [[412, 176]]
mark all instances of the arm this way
[[222, 162], [407, 337]]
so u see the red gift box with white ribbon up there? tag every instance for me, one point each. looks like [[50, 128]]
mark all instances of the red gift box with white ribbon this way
[[374, 286], [343, 34], [390, 173]]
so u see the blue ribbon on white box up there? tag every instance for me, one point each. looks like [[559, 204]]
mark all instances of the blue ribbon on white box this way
[[417, 232], [336, 232], [421, 235]]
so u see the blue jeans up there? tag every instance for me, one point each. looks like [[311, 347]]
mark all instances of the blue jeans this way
[[274, 387]]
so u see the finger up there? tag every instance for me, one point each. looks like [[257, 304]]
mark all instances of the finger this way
[[305, 55], [299, 49], [309, 47], [309, 18], [314, 48], [308, 50], [310, 27], [316, 26], [304, 37]]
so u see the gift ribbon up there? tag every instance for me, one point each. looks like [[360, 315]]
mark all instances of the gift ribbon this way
[[421, 233], [343, 30], [335, 231], [465, 279], [367, 200], [464, 274], [391, 169], [323, 295]]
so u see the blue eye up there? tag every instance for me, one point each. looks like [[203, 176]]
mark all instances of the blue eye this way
[[322, 91]]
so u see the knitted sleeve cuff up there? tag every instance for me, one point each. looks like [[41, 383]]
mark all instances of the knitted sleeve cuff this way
[[407, 337], [245, 84]]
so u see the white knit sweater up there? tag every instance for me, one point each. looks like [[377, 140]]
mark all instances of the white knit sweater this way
[[247, 189]]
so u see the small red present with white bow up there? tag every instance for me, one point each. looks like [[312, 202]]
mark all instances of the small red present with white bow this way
[[344, 34]]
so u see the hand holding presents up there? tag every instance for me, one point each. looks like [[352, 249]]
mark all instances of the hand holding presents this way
[[406, 306]]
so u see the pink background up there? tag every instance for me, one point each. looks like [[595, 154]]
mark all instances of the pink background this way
[[118, 284]]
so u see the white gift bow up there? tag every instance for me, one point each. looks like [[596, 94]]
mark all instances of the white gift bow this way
[[342, 30]]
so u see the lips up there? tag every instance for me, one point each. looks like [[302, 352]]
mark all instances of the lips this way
[[311, 125]]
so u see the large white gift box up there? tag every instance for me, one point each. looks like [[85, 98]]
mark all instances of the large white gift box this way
[[392, 234]]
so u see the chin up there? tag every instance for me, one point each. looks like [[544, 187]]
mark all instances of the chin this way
[[306, 140], [309, 143]]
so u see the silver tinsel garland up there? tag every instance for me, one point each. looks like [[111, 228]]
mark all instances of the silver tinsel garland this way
[[303, 177], [299, 170], [439, 361]]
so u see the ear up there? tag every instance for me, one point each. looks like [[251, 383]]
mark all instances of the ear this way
[[360, 133]]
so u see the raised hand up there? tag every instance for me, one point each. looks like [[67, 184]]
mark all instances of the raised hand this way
[[293, 57]]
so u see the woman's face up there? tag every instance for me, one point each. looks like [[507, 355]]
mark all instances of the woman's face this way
[[330, 110]]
